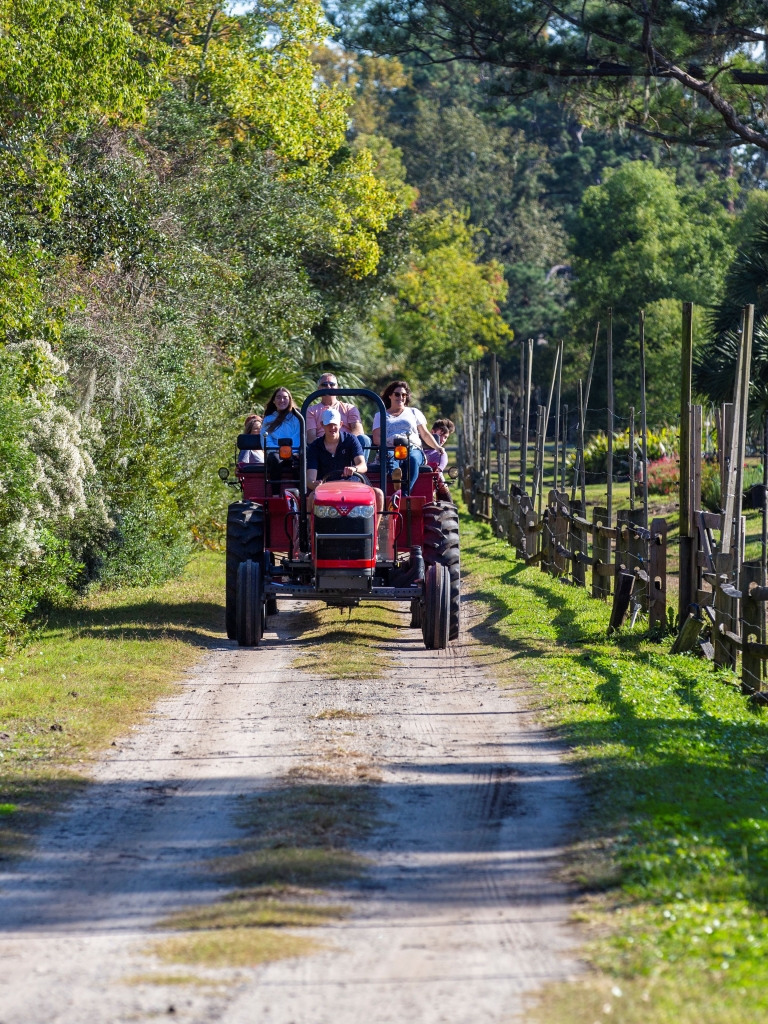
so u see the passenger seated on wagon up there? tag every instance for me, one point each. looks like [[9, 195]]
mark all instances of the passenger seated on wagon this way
[[251, 456], [335, 452], [280, 422], [351, 421]]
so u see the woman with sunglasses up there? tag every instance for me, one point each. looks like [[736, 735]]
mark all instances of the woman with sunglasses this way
[[404, 419]]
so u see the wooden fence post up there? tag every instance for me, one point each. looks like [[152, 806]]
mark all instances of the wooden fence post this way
[[752, 626], [577, 543], [601, 554], [724, 655], [686, 595], [657, 597]]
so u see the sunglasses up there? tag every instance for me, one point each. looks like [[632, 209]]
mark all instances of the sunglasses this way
[[328, 384], [400, 394]]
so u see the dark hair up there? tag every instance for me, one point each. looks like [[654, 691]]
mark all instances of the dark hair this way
[[448, 425], [250, 420], [387, 392], [281, 417]]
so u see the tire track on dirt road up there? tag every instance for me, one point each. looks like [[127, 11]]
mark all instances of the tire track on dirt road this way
[[457, 921]]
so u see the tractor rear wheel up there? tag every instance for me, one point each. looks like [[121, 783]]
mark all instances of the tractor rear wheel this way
[[245, 539], [441, 547], [250, 604], [435, 623]]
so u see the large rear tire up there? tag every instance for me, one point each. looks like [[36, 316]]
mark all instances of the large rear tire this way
[[245, 539], [437, 607], [441, 547], [250, 604]]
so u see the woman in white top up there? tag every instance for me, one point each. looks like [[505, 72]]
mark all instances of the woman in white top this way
[[404, 419]]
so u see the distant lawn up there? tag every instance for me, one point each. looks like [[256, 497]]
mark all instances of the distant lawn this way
[[673, 852], [90, 674]]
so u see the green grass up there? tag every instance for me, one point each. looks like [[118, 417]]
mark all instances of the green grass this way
[[673, 853], [86, 677], [348, 643], [300, 835]]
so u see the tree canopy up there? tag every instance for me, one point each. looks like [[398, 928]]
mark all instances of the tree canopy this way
[[684, 73]]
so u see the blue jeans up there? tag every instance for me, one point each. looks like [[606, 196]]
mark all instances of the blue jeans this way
[[414, 461]]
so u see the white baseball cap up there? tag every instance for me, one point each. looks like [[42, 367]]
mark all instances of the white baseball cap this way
[[331, 416]]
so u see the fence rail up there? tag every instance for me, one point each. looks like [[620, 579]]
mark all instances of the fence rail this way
[[722, 597]]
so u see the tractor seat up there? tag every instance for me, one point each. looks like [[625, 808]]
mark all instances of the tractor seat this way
[[250, 467], [425, 469]]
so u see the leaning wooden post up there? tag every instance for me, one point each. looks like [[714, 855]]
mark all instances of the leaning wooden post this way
[[731, 538], [643, 419], [685, 597], [746, 345], [557, 410], [609, 459], [496, 418], [632, 458], [538, 471], [526, 419], [565, 447], [581, 467]]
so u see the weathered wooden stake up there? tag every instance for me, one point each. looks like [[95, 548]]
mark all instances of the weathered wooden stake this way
[[581, 467], [565, 447], [609, 460], [557, 409], [526, 419], [632, 458], [496, 416], [643, 419], [687, 549]]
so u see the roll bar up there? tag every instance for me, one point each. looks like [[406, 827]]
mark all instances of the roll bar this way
[[363, 393]]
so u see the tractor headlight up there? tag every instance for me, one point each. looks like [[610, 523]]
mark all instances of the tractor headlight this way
[[326, 511], [361, 512]]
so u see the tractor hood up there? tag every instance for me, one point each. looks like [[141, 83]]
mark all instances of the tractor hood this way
[[344, 492]]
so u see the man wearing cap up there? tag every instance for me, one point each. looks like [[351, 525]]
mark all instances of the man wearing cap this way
[[348, 413], [335, 452]]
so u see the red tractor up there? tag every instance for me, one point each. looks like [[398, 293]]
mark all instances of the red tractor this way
[[344, 551]]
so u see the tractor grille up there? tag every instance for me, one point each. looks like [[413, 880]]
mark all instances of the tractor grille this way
[[344, 524], [345, 549]]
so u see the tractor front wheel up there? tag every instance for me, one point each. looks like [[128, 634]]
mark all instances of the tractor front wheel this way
[[250, 604], [245, 539], [436, 618], [416, 613]]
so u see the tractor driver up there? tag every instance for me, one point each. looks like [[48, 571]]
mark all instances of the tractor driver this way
[[335, 452]]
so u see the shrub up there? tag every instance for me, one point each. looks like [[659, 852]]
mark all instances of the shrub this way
[[661, 445], [663, 476]]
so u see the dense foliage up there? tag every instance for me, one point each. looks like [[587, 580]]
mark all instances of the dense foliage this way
[[187, 221], [684, 73]]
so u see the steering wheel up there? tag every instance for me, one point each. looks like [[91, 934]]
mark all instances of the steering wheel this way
[[338, 474]]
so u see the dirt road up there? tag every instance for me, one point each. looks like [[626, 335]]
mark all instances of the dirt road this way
[[456, 921]]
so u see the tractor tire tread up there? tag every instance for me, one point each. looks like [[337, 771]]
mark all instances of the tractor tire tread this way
[[441, 544], [245, 540]]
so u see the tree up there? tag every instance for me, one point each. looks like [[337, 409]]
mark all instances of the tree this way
[[639, 242], [677, 72], [444, 311]]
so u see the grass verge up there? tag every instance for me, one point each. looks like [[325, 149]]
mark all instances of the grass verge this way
[[86, 677], [673, 858], [347, 644]]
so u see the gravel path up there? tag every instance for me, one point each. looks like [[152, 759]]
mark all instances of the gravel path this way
[[457, 921]]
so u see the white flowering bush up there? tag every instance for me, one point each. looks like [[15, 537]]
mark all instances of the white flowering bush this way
[[49, 489]]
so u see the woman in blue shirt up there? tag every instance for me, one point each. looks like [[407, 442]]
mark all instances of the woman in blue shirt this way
[[280, 420], [280, 423]]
